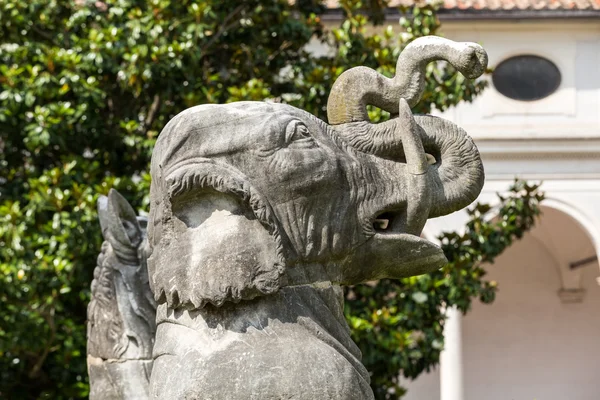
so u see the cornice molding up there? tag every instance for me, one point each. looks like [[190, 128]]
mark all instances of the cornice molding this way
[[392, 14], [539, 148]]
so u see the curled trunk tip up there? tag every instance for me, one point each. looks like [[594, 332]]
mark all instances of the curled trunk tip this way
[[362, 86]]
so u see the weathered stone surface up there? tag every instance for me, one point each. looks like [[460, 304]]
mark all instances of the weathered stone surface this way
[[118, 379], [122, 312], [260, 212]]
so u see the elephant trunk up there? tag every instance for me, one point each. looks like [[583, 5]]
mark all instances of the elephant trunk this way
[[398, 139], [456, 173], [362, 86]]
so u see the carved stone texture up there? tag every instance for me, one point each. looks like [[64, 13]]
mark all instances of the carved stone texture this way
[[122, 312], [260, 211]]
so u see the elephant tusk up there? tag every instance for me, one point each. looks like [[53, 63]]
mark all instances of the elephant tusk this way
[[416, 160], [418, 202]]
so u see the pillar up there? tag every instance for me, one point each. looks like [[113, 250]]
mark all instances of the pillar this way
[[451, 360]]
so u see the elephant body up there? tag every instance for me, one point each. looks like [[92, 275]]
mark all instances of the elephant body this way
[[294, 344]]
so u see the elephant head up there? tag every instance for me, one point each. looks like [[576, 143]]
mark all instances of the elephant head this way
[[249, 197], [121, 300], [122, 311]]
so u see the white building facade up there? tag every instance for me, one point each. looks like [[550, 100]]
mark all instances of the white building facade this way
[[540, 338]]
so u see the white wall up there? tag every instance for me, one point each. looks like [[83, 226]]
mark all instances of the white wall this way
[[572, 111], [425, 387]]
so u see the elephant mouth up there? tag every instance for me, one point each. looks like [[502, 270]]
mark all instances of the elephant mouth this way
[[395, 253], [397, 248], [396, 219], [390, 221]]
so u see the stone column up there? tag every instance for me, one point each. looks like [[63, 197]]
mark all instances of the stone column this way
[[451, 359]]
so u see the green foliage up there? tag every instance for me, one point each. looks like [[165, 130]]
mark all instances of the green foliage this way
[[85, 88], [398, 324]]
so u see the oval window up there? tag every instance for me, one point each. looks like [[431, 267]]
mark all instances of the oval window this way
[[526, 77]]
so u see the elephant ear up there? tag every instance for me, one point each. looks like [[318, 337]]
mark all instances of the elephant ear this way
[[218, 243], [120, 226]]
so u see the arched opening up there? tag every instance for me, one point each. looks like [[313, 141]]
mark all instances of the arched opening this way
[[538, 340]]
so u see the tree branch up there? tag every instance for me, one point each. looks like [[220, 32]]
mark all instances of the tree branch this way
[[281, 48], [151, 114], [224, 27], [42, 358]]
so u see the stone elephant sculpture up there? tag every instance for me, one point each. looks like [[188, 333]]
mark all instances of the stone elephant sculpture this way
[[260, 212]]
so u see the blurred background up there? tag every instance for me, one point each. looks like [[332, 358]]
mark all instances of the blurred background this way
[[86, 86]]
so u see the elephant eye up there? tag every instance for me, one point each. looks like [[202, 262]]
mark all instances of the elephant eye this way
[[295, 131]]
